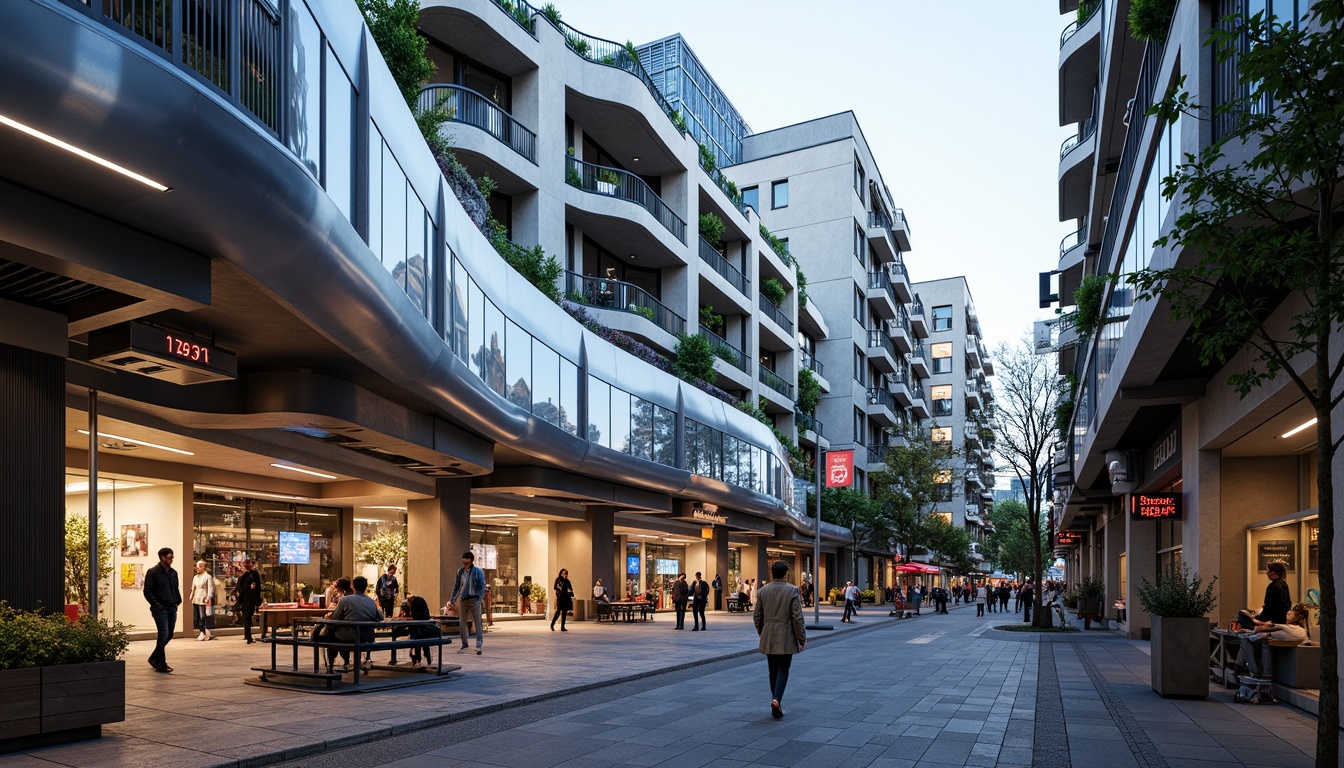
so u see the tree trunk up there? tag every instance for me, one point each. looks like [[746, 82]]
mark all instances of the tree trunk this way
[[1327, 727]]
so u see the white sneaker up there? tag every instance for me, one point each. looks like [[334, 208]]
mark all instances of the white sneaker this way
[[209, 635]]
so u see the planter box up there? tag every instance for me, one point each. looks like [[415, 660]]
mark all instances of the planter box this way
[[54, 705], [1089, 607], [1180, 656]]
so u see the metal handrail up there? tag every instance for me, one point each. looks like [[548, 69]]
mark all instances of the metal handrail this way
[[898, 214], [602, 292], [808, 422], [1085, 132], [471, 108], [916, 388], [879, 338], [810, 361], [897, 267], [1077, 24], [901, 375], [236, 45], [917, 306], [612, 54], [723, 347], [882, 279], [711, 256], [776, 314], [878, 218], [1072, 240], [614, 182], [522, 13], [774, 381], [902, 319], [722, 182], [879, 396]]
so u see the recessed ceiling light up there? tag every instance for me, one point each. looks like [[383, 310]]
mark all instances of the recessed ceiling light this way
[[304, 471], [72, 149], [103, 485], [636, 158], [137, 442], [388, 506], [1298, 428], [242, 492], [486, 517]]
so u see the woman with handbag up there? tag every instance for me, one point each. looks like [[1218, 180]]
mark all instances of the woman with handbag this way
[[202, 598], [564, 599]]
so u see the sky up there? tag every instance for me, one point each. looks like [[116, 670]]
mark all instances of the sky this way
[[957, 98]]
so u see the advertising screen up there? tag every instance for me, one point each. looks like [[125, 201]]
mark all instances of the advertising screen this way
[[632, 565], [294, 548]]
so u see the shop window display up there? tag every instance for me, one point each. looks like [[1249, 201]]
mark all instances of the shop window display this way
[[496, 550]]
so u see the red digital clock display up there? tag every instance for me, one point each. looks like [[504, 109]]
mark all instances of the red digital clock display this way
[[1155, 506], [187, 349]]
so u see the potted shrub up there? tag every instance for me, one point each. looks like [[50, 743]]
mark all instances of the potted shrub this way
[[1179, 603], [62, 679], [1091, 595], [607, 179], [538, 598], [834, 596]]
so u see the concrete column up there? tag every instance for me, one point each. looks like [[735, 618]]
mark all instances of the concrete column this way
[[716, 563], [1113, 546], [585, 549], [754, 562], [1141, 560], [438, 531]]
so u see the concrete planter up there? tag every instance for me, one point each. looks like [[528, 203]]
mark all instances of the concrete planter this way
[[57, 705], [1180, 656]]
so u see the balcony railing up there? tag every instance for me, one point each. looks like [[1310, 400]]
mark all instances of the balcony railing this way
[[882, 279], [810, 361], [728, 188], [613, 54], [725, 351], [522, 13], [877, 337], [471, 108], [1073, 240], [711, 256], [774, 381], [879, 218], [916, 388], [902, 320], [898, 271], [1143, 99], [605, 293], [238, 45], [806, 422], [776, 314], [1084, 133], [917, 306], [880, 396], [614, 182], [898, 217], [1084, 15]]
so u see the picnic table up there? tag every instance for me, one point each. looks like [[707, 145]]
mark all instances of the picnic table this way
[[283, 616], [319, 634], [626, 610]]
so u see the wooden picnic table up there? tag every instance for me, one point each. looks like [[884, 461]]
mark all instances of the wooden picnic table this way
[[626, 609], [380, 636], [273, 618]]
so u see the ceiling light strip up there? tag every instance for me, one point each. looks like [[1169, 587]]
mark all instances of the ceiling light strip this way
[[72, 149], [314, 473], [1299, 428], [145, 443]]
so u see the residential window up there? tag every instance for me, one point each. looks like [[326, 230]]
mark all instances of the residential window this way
[[942, 399], [779, 194], [859, 239], [941, 434], [858, 426], [858, 177], [942, 357], [859, 311], [752, 196], [942, 481], [942, 318]]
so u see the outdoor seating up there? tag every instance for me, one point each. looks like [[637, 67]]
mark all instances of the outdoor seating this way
[[371, 637]]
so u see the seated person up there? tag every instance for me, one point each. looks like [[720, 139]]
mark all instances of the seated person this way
[[1254, 653], [416, 608], [356, 606]]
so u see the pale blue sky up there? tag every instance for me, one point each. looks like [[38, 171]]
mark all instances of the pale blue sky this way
[[957, 99]]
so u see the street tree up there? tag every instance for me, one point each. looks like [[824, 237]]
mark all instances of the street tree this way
[[950, 545], [918, 473], [1027, 391], [861, 514], [1011, 546], [1260, 219]]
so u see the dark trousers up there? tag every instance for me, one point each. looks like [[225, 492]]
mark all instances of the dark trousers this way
[[698, 614], [247, 612], [979, 609], [849, 610], [164, 622], [681, 614], [198, 617], [1026, 612], [559, 614], [718, 599], [778, 663]]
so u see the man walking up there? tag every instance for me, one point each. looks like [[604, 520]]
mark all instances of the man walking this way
[[718, 592], [1004, 592], [849, 593], [778, 617], [248, 597], [980, 601], [163, 590], [699, 599], [468, 589], [1027, 596], [386, 590], [680, 592]]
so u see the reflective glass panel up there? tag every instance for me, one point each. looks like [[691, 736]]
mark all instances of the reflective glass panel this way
[[519, 370]]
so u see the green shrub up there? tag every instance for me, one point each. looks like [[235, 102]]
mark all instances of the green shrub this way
[[541, 271], [1092, 588], [694, 358], [573, 178], [708, 160], [678, 120], [1149, 19], [711, 227], [551, 13], [773, 290], [647, 313], [1087, 297], [777, 246], [30, 639], [1178, 593], [710, 320], [802, 284], [809, 391]]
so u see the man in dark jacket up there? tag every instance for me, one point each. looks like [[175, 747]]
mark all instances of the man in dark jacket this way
[[1277, 597], [699, 599], [248, 598], [386, 590], [680, 592], [163, 590]]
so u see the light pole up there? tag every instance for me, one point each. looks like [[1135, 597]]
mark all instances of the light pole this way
[[816, 550]]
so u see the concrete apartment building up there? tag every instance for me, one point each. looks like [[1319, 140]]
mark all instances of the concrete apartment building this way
[[1149, 419]]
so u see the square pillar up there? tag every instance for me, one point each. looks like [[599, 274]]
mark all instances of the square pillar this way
[[1141, 562], [438, 531], [584, 548], [754, 562], [716, 563]]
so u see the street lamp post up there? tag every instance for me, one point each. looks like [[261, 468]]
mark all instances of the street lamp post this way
[[816, 551]]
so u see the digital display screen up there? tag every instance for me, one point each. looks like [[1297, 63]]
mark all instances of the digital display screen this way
[[632, 565], [1155, 506], [295, 548], [668, 567]]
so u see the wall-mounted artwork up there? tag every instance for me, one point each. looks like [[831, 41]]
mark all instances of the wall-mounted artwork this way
[[132, 576], [135, 540]]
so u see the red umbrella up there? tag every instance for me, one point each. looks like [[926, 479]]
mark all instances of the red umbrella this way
[[910, 568]]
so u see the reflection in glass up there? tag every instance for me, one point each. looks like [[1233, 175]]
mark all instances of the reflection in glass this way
[[339, 178], [620, 421], [665, 437], [475, 312], [394, 212], [493, 371], [305, 77], [375, 189], [519, 350], [599, 412], [545, 383], [569, 396]]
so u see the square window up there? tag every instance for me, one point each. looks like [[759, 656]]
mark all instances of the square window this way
[[941, 434], [779, 194], [942, 318], [752, 196], [942, 365]]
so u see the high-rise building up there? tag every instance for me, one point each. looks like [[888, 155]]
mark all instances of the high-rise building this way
[[710, 117]]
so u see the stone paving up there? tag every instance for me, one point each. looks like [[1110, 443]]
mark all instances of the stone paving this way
[[935, 691]]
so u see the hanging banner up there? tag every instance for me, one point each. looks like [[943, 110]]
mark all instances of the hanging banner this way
[[839, 469]]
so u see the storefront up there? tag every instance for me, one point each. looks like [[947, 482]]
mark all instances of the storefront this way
[[1292, 541]]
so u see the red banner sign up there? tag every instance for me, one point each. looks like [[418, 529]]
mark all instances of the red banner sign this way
[[1155, 506], [839, 469]]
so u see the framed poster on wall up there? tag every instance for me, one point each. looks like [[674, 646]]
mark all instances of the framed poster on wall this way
[[135, 540], [1270, 550], [132, 576]]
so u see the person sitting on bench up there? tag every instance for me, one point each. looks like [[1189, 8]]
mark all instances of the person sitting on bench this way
[[1254, 653], [356, 606]]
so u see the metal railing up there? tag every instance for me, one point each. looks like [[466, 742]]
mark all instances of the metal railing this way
[[917, 352], [729, 189], [725, 350], [806, 422], [877, 453], [810, 361], [898, 217], [880, 396], [917, 307], [605, 293], [1085, 15], [612, 54], [1084, 133], [614, 182], [236, 45], [878, 337], [900, 376], [1073, 240], [916, 388], [522, 13], [882, 279], [711, 256], [1138, 121], [898, 270], [879, 219], [774, 381], [901, 321], [471, 108], [776, 314]]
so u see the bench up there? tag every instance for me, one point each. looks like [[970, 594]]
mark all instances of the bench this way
[[1294, 665], [734, 603], [381, 636]]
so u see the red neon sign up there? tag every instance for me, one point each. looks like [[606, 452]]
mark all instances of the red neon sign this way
[[839, 469]]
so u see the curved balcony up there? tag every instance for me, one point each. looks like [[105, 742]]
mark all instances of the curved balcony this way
[[620, 296], [623, 185], [468, 107], [711, 256], [726, 351], [1076, 156], [612, 54], [1079, 62]]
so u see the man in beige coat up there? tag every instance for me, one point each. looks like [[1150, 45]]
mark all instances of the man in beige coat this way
[[779, 621]]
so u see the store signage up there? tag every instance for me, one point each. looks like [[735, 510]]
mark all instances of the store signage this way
[[1313, 548], [1068, 538], [487, 556], [839, 469], [1155, 506], [1283, 550], [708, 513], [1164, 454], [161, 354], [632, 565]]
